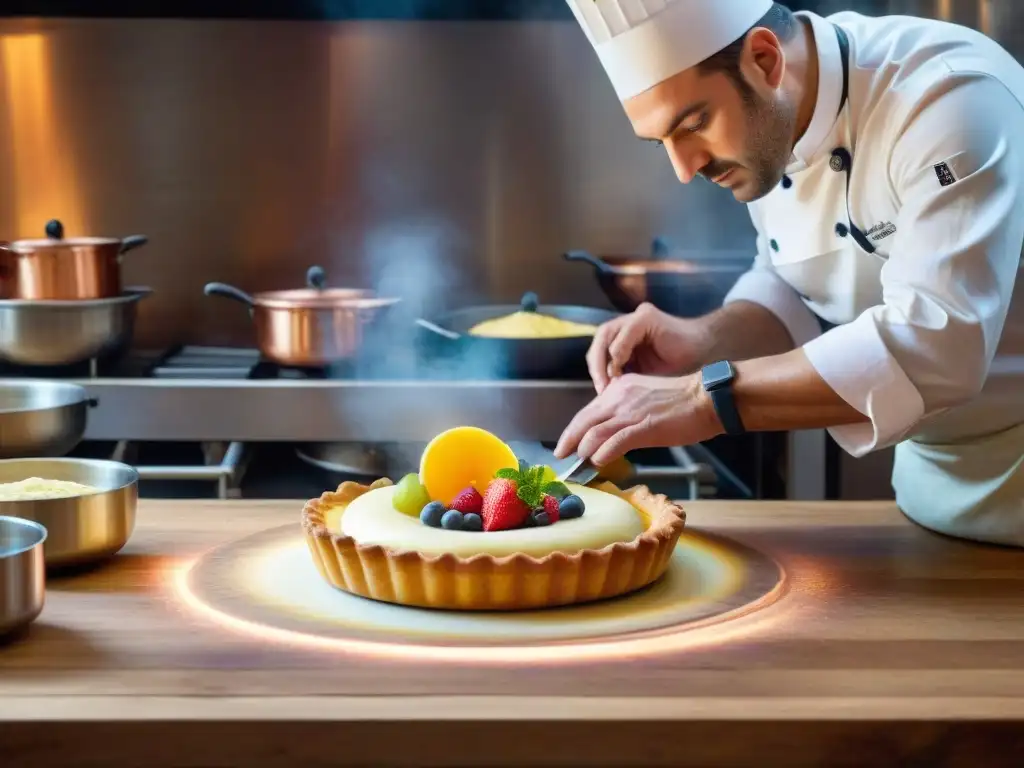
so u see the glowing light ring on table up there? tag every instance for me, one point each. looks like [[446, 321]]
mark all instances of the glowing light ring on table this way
[[266, 586]]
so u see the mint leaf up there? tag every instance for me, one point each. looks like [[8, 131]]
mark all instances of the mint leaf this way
[[530, 494], [507, 473], [557, 489]]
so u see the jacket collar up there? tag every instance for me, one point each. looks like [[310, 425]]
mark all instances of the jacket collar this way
[[830, 88]]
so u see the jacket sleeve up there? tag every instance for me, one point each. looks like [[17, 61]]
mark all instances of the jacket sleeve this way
[[761, 284], [956, 168]]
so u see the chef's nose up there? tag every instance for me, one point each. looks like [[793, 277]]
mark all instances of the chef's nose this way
[[687, 160]]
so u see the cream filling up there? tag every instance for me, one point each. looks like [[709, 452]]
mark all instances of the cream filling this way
[[371, 519]]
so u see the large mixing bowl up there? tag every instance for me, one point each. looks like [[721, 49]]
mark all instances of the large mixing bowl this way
[[22, 573], [81, 529], [41, 418], [67, 332]]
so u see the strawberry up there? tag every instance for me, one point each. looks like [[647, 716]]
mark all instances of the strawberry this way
[[502, 508], [468, 501], [551, 507]]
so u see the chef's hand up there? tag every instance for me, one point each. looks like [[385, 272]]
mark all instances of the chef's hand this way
[[636, 411], [647, 341]]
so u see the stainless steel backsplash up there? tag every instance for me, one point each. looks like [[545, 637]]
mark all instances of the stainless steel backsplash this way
[[450, 162]]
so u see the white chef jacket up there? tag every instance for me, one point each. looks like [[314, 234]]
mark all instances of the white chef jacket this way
[[934, 128]]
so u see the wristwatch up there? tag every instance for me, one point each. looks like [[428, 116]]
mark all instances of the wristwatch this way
[[717, 379]]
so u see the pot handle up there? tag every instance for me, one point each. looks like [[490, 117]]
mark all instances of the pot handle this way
[[229, 292], [132, 242], [593, 261], [6, 270], [316, 278], [433, 328]]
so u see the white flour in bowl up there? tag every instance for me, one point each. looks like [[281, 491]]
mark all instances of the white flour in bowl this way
[[36, 488]]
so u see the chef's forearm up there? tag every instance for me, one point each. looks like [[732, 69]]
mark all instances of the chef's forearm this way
[[784, 392], [742, 330]]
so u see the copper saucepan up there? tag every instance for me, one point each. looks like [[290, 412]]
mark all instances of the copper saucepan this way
[[310, 327], [59, 269]]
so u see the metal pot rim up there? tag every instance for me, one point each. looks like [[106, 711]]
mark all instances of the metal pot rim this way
[[626, 265], [76, 394], [128, 296], [131, 472], [27, 247], [644, 265], [20, 522], [329, 298]]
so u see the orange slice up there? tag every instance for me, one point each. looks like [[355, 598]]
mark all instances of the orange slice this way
[[462, 457]]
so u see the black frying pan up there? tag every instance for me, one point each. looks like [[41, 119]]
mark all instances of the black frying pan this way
[[447, 335]]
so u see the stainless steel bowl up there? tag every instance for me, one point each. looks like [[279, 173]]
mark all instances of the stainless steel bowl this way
[[81, 529], [40, 418], [22, 573], [67, 332]]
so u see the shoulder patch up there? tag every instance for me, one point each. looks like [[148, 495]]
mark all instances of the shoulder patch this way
[[945, 175]]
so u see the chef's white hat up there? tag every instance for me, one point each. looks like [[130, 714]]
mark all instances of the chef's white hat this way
[[643, 42]]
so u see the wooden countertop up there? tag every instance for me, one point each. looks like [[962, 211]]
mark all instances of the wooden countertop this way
[[891, 644]]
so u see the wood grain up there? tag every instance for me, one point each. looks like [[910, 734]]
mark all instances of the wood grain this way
[[892, 646]]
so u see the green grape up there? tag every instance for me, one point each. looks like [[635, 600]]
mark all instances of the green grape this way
[[410, 496]]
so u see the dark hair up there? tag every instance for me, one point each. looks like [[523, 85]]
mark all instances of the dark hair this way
[[779, 19]]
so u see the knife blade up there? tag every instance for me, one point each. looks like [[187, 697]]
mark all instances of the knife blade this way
[[572, 469]]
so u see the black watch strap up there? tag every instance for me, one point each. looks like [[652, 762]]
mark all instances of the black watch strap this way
[[717, 379]]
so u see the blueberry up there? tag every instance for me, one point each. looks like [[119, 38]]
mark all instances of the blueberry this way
[[472, 522], [529, 302], [541, 518], [432, 514], [452, 520], [570, 507]]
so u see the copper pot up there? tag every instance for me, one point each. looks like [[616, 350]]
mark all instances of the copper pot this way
[[681, 287], [309, 327], [58, 269]]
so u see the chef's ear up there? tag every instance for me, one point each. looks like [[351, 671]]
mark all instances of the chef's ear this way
[[763, 61]]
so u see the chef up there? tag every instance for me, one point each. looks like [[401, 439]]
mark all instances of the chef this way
[[882, 162]]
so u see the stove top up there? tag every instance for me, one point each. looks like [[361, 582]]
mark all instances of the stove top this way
[[133, 365], [239, 364]]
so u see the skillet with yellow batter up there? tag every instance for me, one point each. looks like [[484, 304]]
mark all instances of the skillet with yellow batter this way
[[531, 325]]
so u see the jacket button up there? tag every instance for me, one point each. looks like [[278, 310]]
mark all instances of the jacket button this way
[[842, 230], [774, 245], [786, 182], [840, 160]]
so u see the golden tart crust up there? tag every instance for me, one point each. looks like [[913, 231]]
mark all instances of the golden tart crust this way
[[485, 582]]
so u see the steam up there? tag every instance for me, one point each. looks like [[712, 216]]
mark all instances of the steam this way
[[413, 260], [407, 260]]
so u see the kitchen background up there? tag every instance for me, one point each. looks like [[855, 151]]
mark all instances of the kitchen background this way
[[445, 152]]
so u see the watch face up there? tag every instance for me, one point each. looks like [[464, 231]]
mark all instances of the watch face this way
[[717, 374]]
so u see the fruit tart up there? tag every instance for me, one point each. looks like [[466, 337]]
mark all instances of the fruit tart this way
[[478, 529]]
